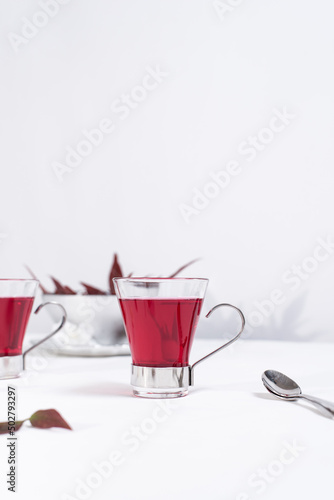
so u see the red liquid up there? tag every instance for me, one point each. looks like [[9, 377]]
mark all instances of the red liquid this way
[[160, 331], [14, 316]]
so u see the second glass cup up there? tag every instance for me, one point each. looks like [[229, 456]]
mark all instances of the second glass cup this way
[[16, 303], [160, 317]]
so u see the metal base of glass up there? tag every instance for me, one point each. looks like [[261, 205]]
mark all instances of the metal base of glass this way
[[11, 366], [159, 383]]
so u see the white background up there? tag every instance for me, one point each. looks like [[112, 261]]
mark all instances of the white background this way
[[226, 75]]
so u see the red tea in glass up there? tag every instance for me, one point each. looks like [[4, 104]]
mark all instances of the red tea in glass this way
[[160, 331], [160, 318], [16, 302], [14, 317]]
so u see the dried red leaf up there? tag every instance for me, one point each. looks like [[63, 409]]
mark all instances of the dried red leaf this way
[[4, 426], [115, 272], [44, 290], [91, 290], [45, 419], [62, 289], [182, 268]]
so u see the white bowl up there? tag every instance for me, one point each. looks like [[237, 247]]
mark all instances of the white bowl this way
[[89, 318]]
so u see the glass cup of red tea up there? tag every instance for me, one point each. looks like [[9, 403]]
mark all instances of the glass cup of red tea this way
[[160, 317], [16, 303]]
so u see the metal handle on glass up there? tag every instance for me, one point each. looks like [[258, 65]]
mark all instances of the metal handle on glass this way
[[59, 327], [191, 368]]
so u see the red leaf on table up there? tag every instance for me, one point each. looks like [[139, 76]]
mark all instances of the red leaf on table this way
[[91, 290], [115, 272], [45, 419], [4, 426], [62, 289], [182, 268], [44, 290]]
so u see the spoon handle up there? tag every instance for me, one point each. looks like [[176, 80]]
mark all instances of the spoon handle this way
[[325, 405]]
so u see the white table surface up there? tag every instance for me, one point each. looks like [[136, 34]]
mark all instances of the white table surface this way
[[228, 440]]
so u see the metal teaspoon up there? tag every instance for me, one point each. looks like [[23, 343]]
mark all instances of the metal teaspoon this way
[[285, 388]]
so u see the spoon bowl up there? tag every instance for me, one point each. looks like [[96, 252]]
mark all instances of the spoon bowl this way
[[285, 388], [286, 398], [280, 385]]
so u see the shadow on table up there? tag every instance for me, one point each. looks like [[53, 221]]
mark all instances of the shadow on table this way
[[263, 395], [105, 389]]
